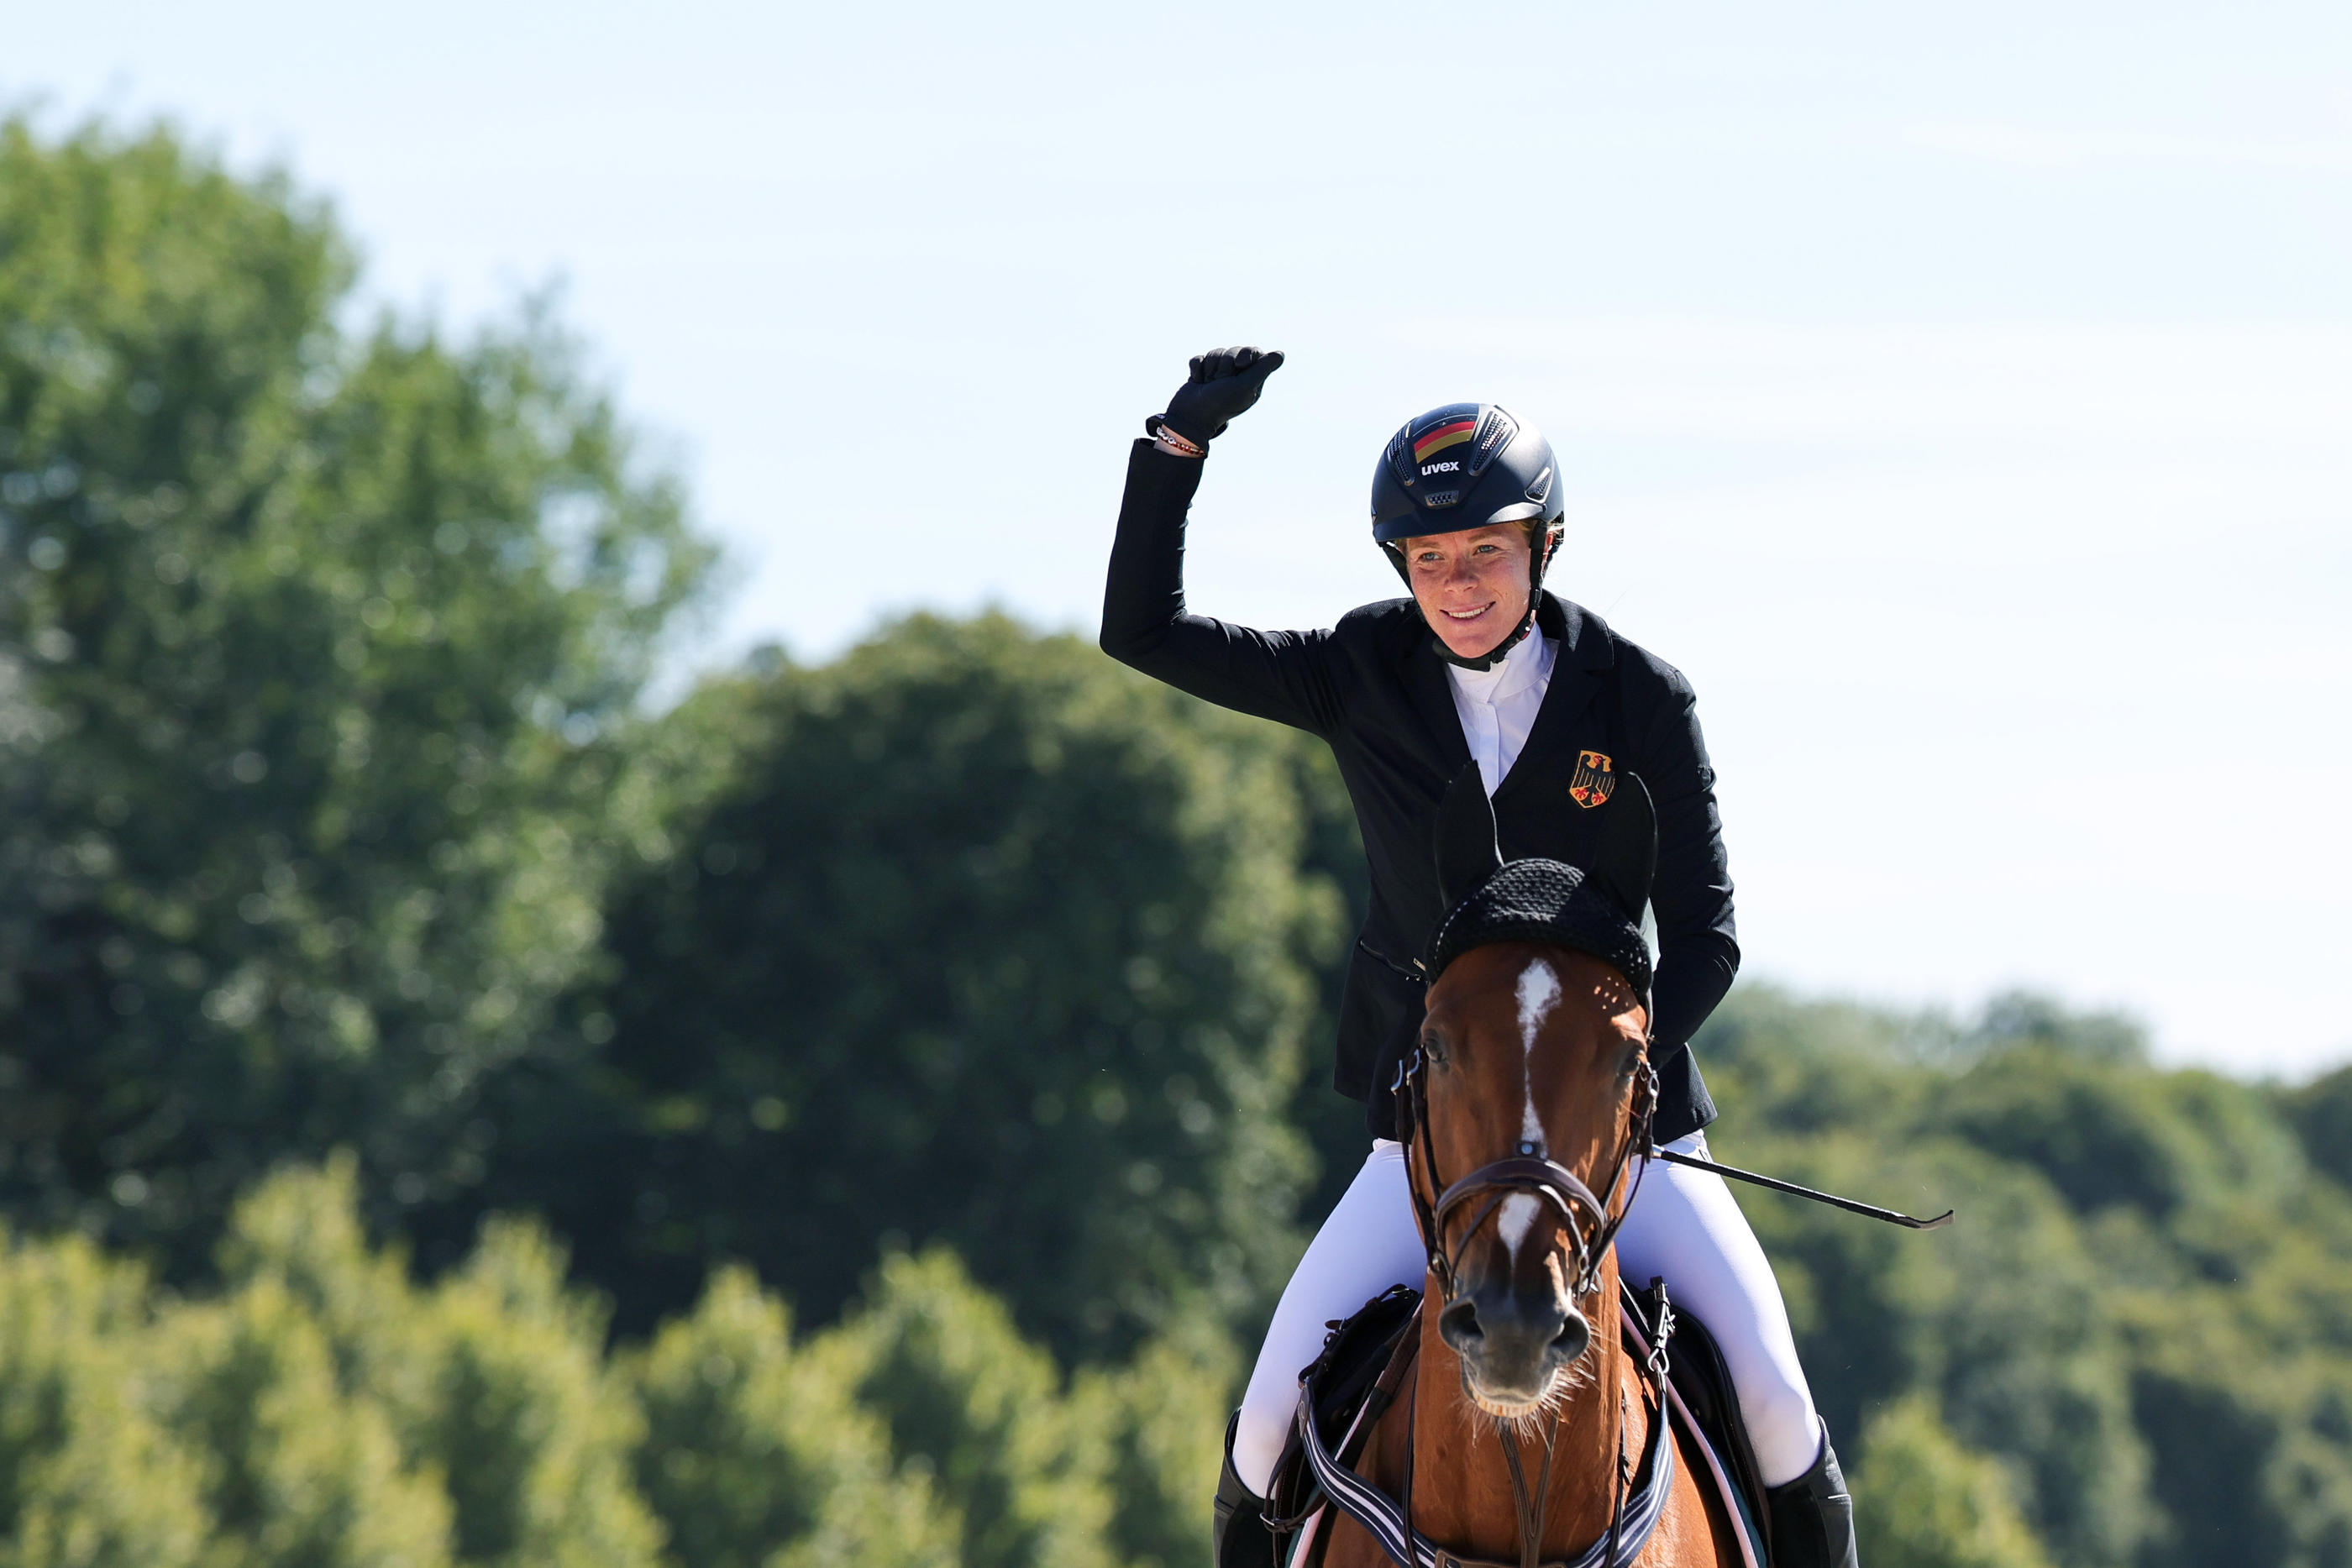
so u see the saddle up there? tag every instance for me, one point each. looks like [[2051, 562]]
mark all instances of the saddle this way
[[1364, 1363], [1702, 1399], [1367, 1358]]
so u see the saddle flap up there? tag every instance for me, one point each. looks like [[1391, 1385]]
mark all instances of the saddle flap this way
[[1702, 1384], [1348, 1387]]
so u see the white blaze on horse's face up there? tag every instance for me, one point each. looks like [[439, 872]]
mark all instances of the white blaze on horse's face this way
[[1538, 992]]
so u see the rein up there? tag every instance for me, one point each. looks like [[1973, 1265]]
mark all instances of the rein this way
[[1640, 1496]]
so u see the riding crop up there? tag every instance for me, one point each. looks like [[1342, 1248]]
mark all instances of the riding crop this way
[[1909, 1222]]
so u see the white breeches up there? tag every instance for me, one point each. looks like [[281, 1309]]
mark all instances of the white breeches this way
[[1684, 1227]]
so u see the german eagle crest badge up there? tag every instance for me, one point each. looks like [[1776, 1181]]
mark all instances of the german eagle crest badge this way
[[1594, 780]]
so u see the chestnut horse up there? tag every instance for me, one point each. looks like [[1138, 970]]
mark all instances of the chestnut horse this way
[[1533, 1068]]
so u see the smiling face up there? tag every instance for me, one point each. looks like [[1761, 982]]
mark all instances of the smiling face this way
[[1471, 587]]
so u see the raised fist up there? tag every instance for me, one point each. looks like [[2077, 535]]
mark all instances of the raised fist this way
[[1223, 382]]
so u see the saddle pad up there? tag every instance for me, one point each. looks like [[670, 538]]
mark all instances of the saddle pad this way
[[1342, 1382], [1693, 1363]]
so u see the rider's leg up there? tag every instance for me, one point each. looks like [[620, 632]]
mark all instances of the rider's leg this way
[[1685, 1226], [1367, 1244], [1813, 1517], [1238, 1537]]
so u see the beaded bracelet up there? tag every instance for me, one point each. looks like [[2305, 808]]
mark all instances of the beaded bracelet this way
[[1182, 446]]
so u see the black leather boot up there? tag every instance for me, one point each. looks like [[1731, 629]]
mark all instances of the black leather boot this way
[[1813, 1517], [1240, 1539]]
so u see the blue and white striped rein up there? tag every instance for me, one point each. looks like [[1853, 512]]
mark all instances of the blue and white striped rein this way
[[1377, 1512]]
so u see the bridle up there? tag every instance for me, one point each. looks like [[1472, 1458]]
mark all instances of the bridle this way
[[1591, 1223]]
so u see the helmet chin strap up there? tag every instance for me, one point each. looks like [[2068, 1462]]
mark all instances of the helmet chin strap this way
[[1500, 651], [1511, 638]]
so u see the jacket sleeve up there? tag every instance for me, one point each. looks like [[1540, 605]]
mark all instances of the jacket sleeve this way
[[1699, 945], [1281, 675]]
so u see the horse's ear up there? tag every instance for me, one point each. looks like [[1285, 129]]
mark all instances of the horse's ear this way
[[1467, 854], [1626, 861]]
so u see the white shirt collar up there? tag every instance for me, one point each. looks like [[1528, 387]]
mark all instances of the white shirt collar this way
[[1528, 663]]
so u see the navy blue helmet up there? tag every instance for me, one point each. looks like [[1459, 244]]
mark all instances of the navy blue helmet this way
[[1463, 466]]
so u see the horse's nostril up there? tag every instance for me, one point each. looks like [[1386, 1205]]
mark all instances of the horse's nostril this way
[[1458, 1325], [1575, 1333]]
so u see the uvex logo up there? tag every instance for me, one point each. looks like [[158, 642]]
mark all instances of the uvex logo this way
[[1447, 467]]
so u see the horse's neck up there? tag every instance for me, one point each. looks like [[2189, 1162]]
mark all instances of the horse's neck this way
[[1461, 1495]]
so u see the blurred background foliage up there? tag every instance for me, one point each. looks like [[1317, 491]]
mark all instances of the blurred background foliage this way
[[1033, 922], [451, 1111]]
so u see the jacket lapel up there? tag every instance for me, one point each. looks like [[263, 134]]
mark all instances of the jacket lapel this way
[[1576, 675], [1432, 697]]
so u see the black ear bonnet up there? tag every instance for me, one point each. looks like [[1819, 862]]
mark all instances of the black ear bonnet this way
[[1491, 899]]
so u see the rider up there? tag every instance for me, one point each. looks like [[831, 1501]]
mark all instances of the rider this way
[[1478, 664]]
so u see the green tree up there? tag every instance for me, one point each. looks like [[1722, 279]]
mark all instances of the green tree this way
[[492, 1381], [534, 1433], [1925, 1500], [88, 1477], [1162, 1413], [975, 937], [298, 1233], [310, 650], [757, 1454], [298, 1468], [2321, 1112], [2107, 1132], [2002, 1320], [972, 1405], [2142, 1314]]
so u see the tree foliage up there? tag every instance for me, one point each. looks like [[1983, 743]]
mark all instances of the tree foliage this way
[[760, 1453], [1933, 1503], [320, 1410], [973, 938], [2140, 1319], [309, 644]]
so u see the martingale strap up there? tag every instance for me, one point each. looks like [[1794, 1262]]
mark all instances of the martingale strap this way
[[1378, 1513]]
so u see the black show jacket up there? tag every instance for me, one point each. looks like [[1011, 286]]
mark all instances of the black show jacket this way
[[1374, 689]]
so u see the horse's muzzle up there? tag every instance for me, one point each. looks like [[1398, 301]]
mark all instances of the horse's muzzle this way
[[1513, 1343]]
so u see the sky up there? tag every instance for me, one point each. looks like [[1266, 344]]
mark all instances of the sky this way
[[1961, 397]]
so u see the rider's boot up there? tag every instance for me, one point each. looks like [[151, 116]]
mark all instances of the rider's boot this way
[[1241, 1538], [1813, 1517]]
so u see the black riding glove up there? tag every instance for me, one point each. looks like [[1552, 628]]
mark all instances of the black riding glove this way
[[1224, 383]]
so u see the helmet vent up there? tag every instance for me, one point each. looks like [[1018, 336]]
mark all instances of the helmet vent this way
[[1398, 456], [1494, 434], [1541, 485], [1441, 498]]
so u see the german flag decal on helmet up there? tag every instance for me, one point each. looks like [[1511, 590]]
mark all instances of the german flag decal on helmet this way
[[1593, 782], [1452, 433]]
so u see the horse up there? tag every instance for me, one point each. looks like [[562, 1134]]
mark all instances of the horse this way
[[1528, 1434]]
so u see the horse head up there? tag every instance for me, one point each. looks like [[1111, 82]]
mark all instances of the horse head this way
[[1528, 1103]]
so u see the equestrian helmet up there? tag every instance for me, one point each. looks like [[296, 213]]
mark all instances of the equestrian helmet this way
[[1464, 466]]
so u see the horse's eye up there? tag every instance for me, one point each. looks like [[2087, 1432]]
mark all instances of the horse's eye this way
[[1433, 1046]]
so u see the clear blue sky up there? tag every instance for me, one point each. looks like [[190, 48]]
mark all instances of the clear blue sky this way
[[1962, 396]]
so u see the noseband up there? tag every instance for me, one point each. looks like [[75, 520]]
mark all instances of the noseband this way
[[1528, 1170]]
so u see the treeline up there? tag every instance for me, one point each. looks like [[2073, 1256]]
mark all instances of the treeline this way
[[319, 1406], [425, 1075], [329, 818], [2142, 1317]]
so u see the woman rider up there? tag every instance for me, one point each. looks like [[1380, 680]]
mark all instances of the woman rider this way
[[1479, 665]]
